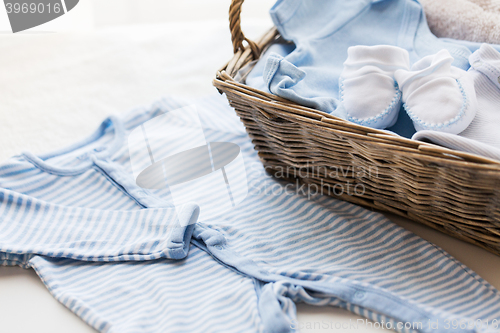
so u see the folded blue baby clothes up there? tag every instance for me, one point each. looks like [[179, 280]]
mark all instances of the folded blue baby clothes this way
[[283, 244], [254, 78], [102, 245], [323, 31]]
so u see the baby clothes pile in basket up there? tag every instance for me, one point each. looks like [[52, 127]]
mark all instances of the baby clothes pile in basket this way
[[376, 63]]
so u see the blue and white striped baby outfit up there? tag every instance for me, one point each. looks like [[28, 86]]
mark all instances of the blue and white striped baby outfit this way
[[117, 254]]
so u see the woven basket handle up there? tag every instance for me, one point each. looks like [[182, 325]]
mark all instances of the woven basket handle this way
[[237, 36]]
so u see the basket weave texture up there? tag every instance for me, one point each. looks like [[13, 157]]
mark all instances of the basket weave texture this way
[[455, 192]]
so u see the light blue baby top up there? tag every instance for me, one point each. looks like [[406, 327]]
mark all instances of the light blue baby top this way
[[115, 254]]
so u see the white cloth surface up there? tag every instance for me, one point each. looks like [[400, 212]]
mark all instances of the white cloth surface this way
[[56, 88]]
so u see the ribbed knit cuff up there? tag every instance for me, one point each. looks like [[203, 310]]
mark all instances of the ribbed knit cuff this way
[[487, 61]]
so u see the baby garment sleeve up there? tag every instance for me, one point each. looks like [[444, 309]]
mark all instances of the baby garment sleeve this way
[[301, 22], [32, 226]]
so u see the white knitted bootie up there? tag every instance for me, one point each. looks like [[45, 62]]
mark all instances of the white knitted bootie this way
[[368, 91], [438, 96]]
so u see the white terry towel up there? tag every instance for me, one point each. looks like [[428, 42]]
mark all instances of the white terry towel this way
[[472, 20]]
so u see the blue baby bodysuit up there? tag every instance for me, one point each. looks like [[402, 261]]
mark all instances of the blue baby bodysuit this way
[[323, 30], [109, 250], [245, 269]]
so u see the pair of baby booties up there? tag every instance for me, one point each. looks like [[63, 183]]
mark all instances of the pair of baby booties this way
[[376, 79]]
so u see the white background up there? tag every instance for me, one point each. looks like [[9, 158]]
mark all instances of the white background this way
[[59, 80]]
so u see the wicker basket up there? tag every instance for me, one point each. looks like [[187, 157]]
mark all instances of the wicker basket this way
[[455, 192]]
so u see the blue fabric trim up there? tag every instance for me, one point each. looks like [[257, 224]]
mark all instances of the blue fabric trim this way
[[341, 89], [86, 160], [448, 123], [369, 121]]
